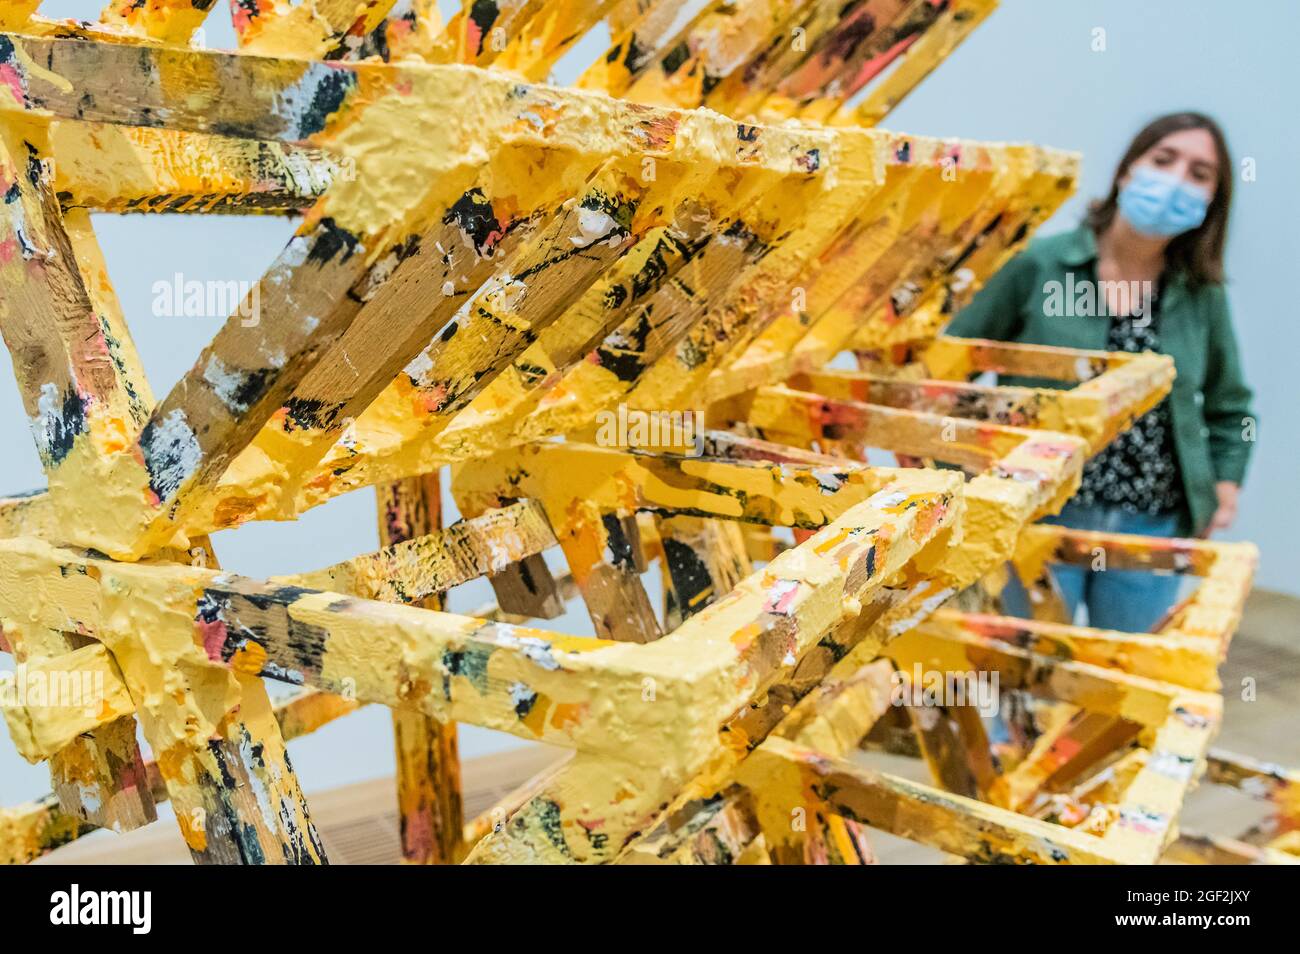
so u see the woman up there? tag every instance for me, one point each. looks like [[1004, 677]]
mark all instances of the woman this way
[[1144, 272]]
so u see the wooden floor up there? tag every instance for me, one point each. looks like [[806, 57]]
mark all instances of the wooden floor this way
[[1266, 650], [1264, 659]]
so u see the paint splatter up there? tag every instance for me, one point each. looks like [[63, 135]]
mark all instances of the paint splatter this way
[[58, 422], [171, 453]]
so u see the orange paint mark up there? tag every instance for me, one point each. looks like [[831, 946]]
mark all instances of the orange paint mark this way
[[1064, 749], [578, 644], [429, 400], [913, 500], [584, 544], [249, 658], [244, 15], [235, 510], [568, 714], [744, 637], [192, 830], [736, 741], [535, 720], [826, 546], [113, 435]]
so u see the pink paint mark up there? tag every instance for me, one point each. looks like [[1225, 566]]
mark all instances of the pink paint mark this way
[[493, 237], [10, 77], [874, 67], [8, 249], [1022, 474], [1050, 449], [214, 637], [430, 400], [243, 15], [474, 37], [1065, 749], [1149, 823], [417, 834], [781, 597]]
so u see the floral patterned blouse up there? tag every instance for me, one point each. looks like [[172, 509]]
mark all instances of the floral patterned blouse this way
[[1138, 471]]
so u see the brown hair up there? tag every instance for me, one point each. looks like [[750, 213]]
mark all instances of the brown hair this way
[[1198, 254]]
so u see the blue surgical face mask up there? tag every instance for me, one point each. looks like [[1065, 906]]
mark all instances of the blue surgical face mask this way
[[1159, 204]]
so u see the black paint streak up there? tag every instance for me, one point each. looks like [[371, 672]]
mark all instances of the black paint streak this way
[[331, 239], [311, 413], [689, 575], [675, 58], [525, 704], [620, 547], [472, 214], [330, 93], [251, 388], [548, 820], [66, 427], [483, 13], [627, 362]]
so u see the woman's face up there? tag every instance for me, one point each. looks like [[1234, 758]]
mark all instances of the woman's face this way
[[1189, 154]]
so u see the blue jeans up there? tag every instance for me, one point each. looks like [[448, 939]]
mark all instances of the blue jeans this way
[[1131, 601]]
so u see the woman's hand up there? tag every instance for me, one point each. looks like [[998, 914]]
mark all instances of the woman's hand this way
[[1226, 513]]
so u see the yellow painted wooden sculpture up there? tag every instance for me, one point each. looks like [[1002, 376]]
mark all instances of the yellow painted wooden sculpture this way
[[516, 283]]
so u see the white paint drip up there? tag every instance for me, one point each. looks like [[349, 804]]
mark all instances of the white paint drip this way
[[419, 367], [174, 453], [520, 693], [886, 499], [48, 420], [226, 383], [593, 226], [504, 291], [927, 607], [537, 650]]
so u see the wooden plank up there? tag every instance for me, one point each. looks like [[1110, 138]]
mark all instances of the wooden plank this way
[[429, 795], [702, 561], [775, 617], [962, 826], [310, 29], [419, 567], [174, 21]]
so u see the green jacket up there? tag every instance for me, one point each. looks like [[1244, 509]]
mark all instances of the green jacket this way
[[1214, 427]]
